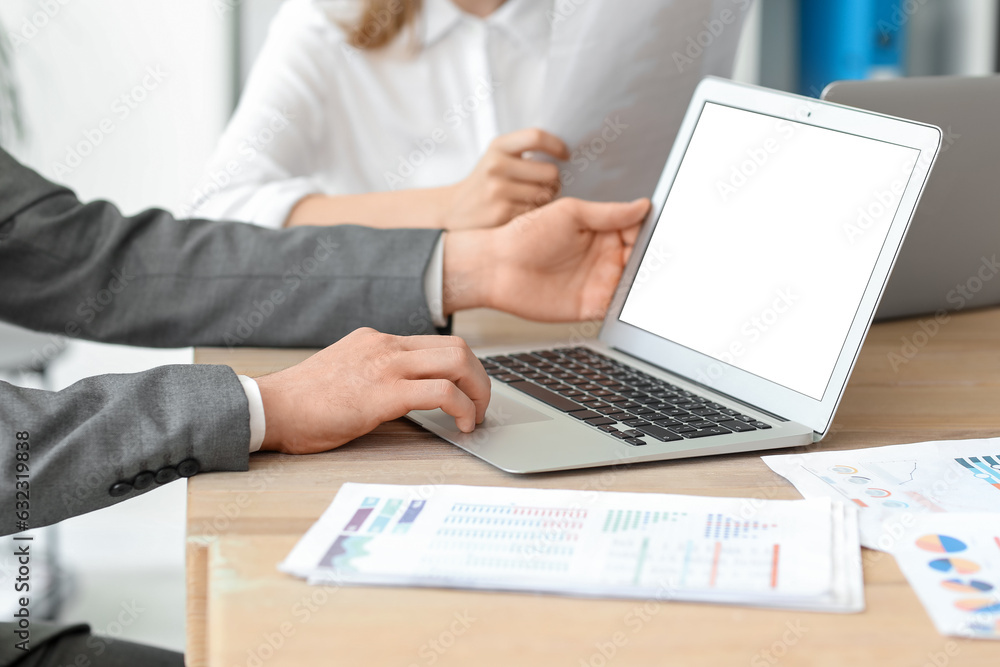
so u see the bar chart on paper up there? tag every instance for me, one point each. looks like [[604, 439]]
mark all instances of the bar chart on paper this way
[[776, 553], [959, 476]]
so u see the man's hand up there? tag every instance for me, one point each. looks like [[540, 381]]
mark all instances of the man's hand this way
[[505, 183], [368, 378], [560, 263]]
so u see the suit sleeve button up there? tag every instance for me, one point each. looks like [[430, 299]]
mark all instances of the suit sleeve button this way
[[120, 489], [143, 480], [188, 468], [166, 474]]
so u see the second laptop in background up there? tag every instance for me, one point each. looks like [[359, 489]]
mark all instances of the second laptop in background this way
[[949, 259]]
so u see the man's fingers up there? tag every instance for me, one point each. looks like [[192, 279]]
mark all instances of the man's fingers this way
[[611, 216], [457, 365], [422, 342], [531, 139], [444, 394]]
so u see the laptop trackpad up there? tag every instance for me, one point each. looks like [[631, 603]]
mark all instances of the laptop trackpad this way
[[503, 411]]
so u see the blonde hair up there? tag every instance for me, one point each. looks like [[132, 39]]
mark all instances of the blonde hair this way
[[381, 21]]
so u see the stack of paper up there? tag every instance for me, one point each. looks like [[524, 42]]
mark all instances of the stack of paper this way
[[891, 485], [801, 554], [953, 563]]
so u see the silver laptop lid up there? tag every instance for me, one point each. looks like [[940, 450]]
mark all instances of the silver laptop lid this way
[[773, 229]]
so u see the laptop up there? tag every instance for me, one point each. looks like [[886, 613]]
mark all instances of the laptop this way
[[949, 261], [741, 312]]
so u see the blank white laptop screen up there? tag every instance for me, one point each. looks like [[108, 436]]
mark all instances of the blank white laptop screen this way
[[766, 243]]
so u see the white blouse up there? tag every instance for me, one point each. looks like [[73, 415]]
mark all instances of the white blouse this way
[[319, 116]]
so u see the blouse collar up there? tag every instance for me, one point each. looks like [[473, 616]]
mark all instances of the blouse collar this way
[[526, 21]]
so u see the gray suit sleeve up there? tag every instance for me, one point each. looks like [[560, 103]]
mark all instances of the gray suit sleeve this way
[[109, 438], [84, 270]]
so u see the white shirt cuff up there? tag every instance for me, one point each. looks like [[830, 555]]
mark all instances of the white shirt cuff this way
[[256, 403], [434, 284]]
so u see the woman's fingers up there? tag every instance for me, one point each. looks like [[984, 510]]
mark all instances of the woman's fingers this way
[[531, 139], [529, 171], [526, 193]]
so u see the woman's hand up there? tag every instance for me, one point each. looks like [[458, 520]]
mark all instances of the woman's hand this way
[[505, 183]]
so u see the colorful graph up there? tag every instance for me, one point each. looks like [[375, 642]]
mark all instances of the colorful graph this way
[[986, 468], [344, 550], [987, 628], [409, 516], [956, 565], [858, 480], [895, 504], [388, 511], [844, 470], [723, 527], [620, 521], [367, 507], [979, 605], [941, 544], [878, 493], [967, 586]]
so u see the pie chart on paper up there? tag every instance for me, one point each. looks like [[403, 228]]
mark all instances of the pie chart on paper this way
[[979, 605], [940, 544], [967, 586], [956, 565]]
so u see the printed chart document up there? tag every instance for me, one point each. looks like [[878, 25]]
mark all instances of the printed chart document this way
[[801, 554], [953, 563], [899, 480]]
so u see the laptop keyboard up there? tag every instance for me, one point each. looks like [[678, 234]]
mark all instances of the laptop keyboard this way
[[616, 398]]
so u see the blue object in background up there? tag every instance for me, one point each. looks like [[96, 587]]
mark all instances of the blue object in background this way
[[850, 39]]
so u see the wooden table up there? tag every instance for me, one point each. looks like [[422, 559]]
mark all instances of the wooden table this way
[[242, 611]]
